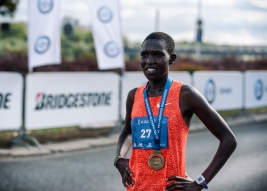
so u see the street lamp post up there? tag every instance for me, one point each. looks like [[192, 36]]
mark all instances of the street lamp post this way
[[199, 33]]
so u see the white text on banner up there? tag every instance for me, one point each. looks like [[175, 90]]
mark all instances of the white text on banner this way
[[223, 90], [44, 32], [255, 89], [11, 87], [66, 99], [106, 27]]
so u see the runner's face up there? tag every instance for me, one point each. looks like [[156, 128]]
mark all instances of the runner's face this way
[[154, 59]]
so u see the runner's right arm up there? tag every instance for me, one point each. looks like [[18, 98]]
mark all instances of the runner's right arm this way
[[124, 143]]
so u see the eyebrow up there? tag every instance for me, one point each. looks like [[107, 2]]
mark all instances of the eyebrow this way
[[153, 51]]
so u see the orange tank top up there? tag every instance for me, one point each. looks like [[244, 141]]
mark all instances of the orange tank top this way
[[145, 178]]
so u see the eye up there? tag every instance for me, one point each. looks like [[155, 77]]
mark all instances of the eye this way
[[158, 54], [143, 55]]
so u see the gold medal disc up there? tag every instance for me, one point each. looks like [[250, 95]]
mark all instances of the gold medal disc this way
[[156, 160]]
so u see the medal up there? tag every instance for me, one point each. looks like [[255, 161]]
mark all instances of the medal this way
[[156, 160]]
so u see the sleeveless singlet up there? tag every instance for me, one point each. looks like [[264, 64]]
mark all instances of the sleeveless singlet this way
[[145, 178]]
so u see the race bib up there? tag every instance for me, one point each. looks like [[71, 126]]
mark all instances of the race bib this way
[[143, 136]]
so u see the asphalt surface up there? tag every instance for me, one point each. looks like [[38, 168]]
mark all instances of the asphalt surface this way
[[93, 170]]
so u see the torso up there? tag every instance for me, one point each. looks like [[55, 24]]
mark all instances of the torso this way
[[177, 134]]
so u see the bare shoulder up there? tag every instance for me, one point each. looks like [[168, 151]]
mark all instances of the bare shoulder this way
[[188, 90], [129, 106], [130, 98], [192, 98], [131, 94]]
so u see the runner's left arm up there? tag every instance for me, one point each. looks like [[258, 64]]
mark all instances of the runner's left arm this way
[[218, 127]]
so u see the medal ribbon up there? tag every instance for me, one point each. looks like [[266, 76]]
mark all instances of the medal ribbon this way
[[156, 129]]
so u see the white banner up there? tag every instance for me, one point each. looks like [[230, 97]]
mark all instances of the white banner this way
[[223, 90], [106, 27], [255, 89], [43, 32], [65, 99], [11, 88], [133, 80]]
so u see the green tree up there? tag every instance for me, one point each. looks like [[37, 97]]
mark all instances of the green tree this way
[[8, 7]]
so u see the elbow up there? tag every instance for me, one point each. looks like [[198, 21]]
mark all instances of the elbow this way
[[231, 143]]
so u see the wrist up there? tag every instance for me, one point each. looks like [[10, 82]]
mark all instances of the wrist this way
[[200, 180], [199, 187], [116, 160]]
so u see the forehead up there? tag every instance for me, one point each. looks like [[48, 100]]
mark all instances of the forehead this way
[[154, 45]]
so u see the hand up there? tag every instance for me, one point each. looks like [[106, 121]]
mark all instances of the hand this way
[[186, 184], [123, 167]]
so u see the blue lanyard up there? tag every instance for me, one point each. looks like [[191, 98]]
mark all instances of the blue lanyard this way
[[156, 130]]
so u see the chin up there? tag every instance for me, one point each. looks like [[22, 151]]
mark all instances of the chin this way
[[151, 77]]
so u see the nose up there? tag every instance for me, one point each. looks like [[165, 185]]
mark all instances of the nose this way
[[150, 59]]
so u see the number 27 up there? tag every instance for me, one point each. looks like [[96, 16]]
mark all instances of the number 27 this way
[[144, 132]]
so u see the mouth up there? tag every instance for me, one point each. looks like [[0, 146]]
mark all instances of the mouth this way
[[151, 70]]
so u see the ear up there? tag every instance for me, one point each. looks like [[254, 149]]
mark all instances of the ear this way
[[173, 58]]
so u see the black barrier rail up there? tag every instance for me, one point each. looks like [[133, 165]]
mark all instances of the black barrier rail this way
[[23, 138]]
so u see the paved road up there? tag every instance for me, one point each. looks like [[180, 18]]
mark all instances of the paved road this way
[[92, 170]]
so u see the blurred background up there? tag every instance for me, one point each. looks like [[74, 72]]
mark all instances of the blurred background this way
[[221, 49], [233, 34]]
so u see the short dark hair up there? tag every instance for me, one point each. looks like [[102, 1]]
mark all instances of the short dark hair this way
[[169, 42]]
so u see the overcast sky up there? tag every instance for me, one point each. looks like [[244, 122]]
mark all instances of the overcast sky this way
[[233, 22]]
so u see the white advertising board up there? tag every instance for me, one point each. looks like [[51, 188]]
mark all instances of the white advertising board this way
[[223, 90], [65, 99], [184, 77], [255, 89], [132, 80], [11, 88]]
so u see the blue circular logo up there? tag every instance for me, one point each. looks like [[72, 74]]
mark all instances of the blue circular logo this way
[[111, 49], [258, 89], [45, 6], [42, 44], [210, 91], [104, 14]]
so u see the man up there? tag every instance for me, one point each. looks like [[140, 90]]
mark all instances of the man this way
[[159, 131]]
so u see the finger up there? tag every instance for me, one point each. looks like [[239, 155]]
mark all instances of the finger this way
[[125, 170], [177, 178], [124, 183], [128, 180], [173, 184], [187, 176], [190, 179], [125, 173], [174, 187], [124, 166], [129, 171]]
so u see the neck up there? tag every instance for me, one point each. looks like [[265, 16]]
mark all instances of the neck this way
[[156, 87]]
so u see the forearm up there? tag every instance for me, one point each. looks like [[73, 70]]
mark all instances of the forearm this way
[[122, 165], [124, 143], [225, 149]]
